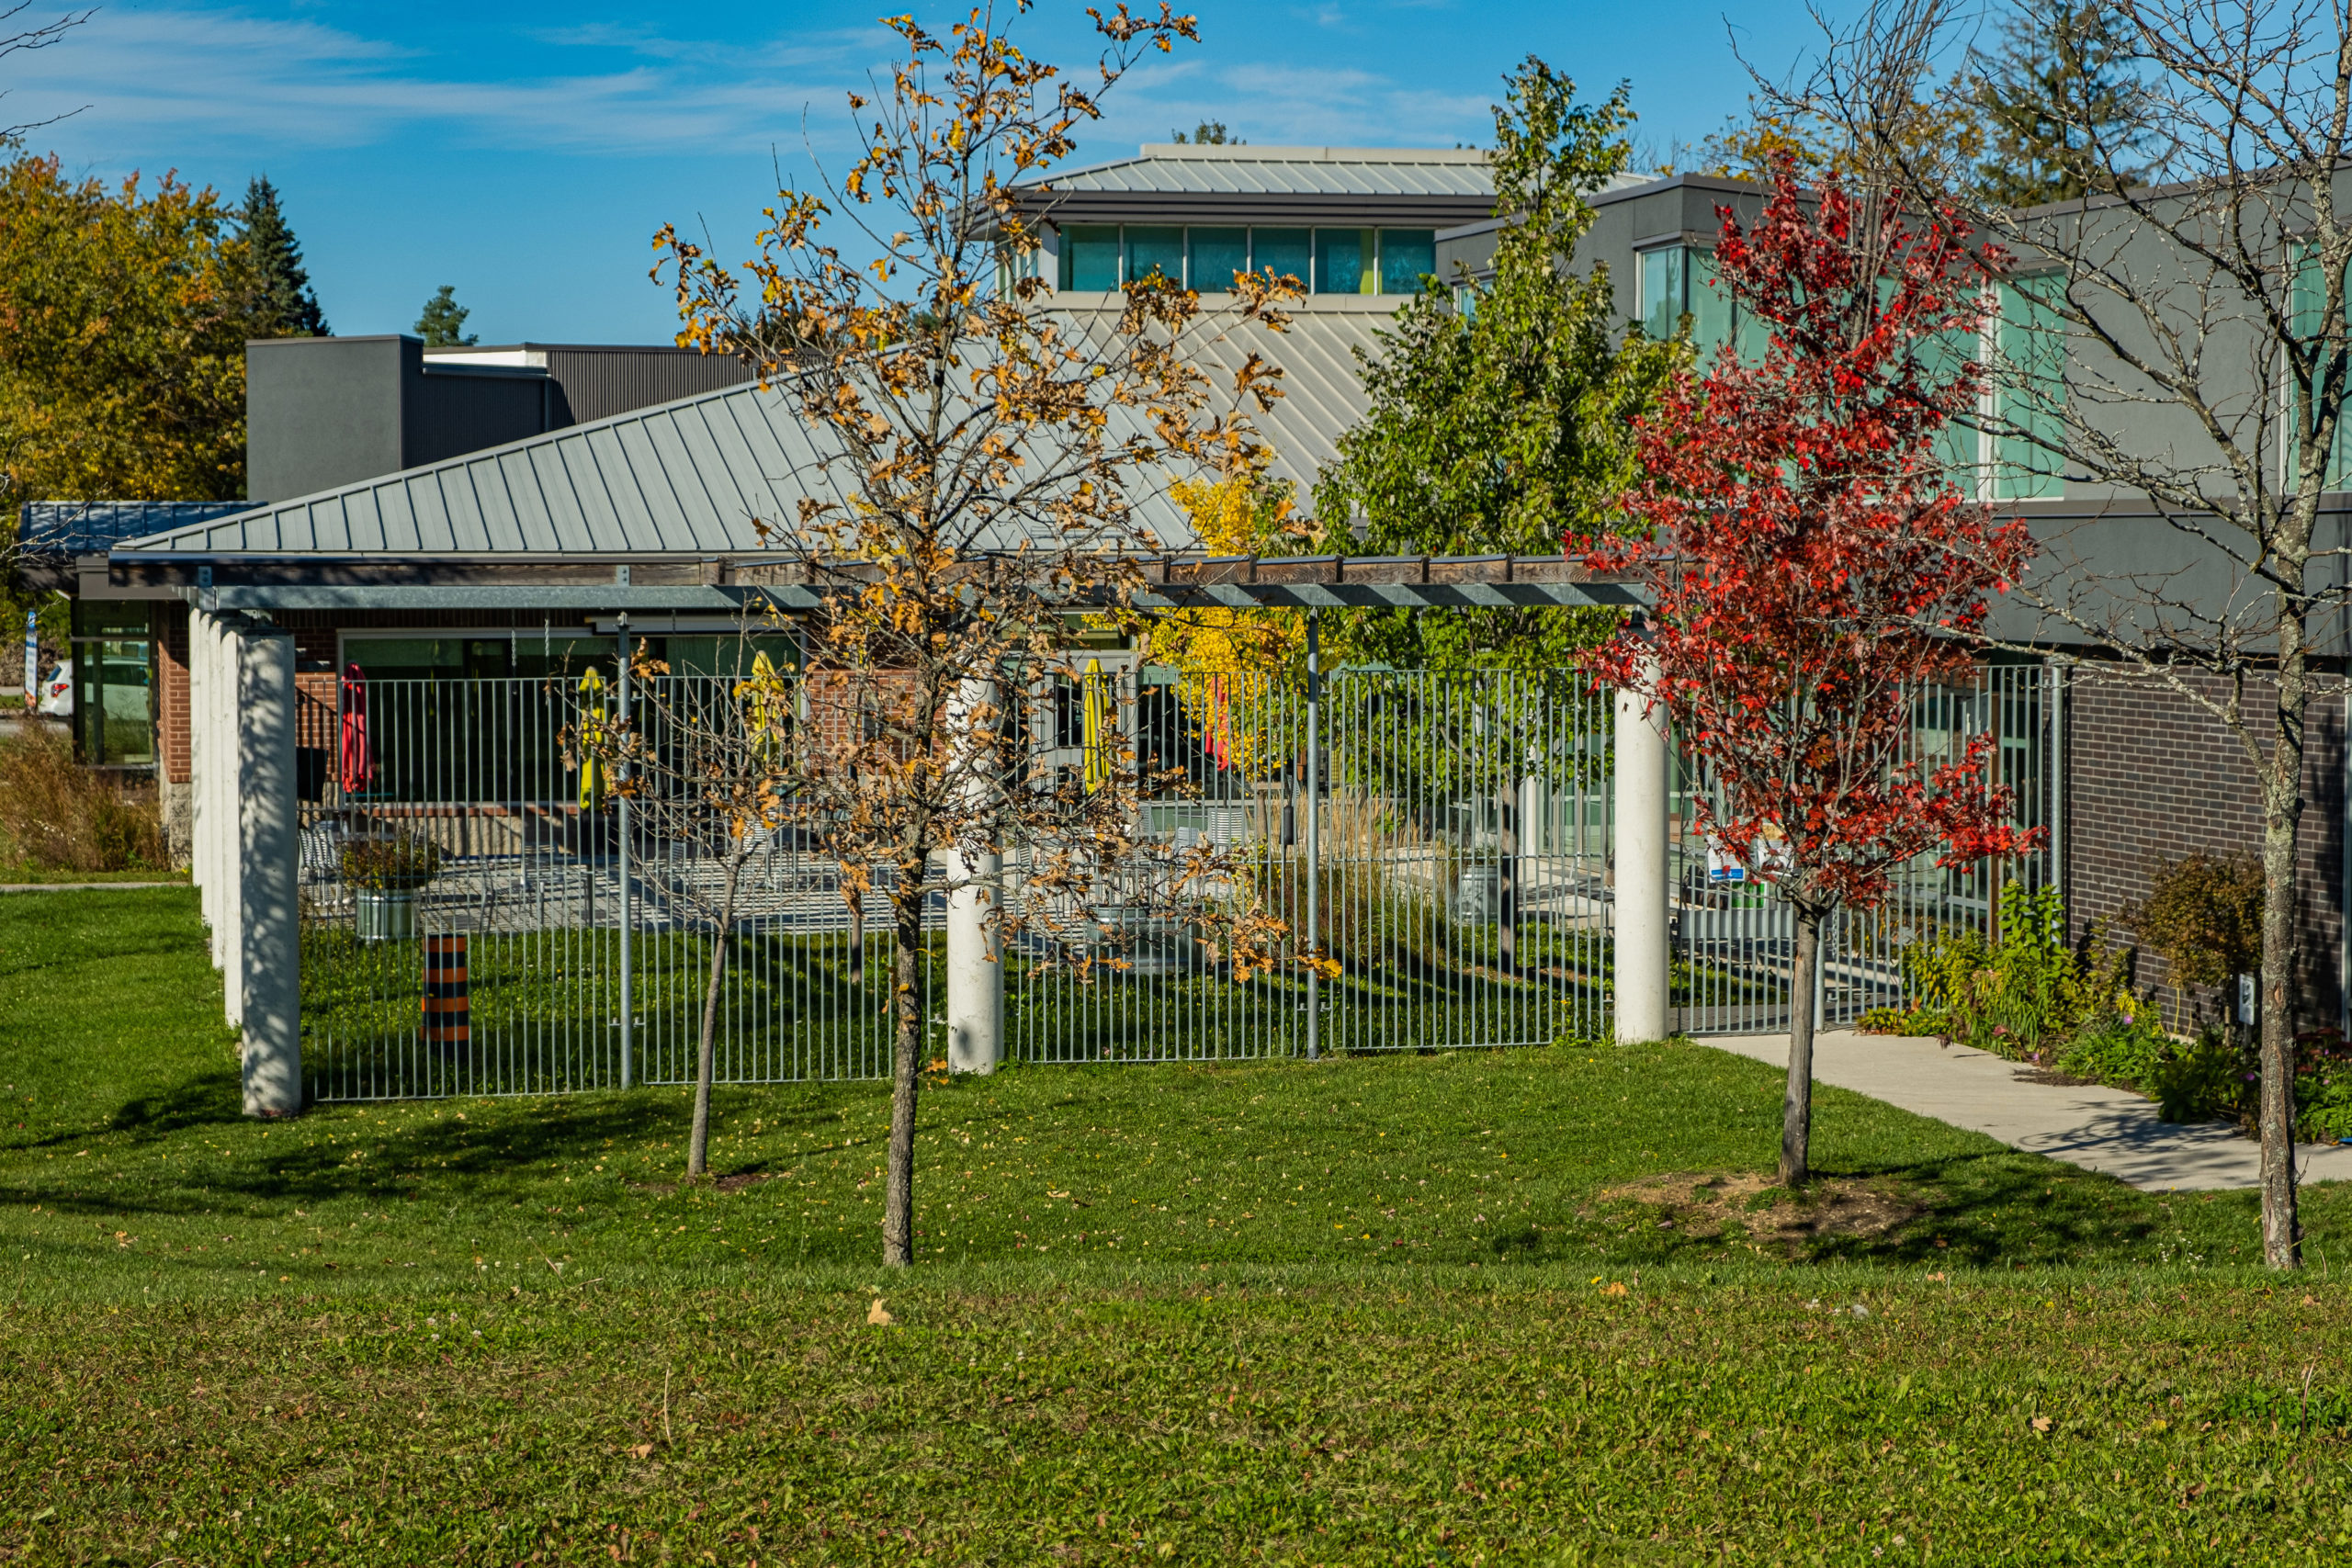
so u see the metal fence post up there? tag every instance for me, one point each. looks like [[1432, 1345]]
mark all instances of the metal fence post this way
[[1314, 830], [629, 907]]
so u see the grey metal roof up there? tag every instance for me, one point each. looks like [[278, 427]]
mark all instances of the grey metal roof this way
[[690, 477], [1180, 169]]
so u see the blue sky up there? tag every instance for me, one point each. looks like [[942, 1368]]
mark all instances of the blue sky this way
[[525, 151]]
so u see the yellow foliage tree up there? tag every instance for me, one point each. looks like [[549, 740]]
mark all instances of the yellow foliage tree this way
[[123, 319]]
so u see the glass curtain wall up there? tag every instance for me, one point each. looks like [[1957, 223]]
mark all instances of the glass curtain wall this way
[[1097, 258]]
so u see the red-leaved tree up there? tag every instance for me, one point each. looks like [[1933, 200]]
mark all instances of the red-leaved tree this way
[[1813, 568]]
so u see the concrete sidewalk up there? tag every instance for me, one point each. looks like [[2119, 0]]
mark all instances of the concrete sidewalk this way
[[2101, 1128]]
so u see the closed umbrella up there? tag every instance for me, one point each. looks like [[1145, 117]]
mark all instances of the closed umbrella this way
[[358, 769], [591, 736], [1098, 767]]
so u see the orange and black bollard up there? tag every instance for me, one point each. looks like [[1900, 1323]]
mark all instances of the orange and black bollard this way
[[445, 996]]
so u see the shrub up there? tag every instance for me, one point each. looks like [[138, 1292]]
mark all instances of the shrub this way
[[2204, 913], [2204, 1080], [2322, 1087], [389, 864], [59, 815], [2120, 1045], [2022, 995]]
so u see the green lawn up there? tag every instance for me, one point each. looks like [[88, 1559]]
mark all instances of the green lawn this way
[[1374, 1310]]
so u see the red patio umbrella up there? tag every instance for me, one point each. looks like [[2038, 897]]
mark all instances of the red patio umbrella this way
[[358, 768]]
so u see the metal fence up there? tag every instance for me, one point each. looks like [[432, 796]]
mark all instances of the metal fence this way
[[1444, 841], [1444, 838], [1734, 938]]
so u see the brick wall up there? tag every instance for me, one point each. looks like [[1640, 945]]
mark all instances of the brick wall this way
[[171, 688], [2151, 775]]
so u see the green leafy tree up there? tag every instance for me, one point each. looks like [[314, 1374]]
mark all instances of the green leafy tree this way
[[2065, 114], [1209, 133], [279, 287], [443, 324], [1501, 409]]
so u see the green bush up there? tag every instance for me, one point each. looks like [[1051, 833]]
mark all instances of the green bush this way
[[2020, 996], [396, 863], [2120, 1045], [2322, 1087], [2202, 1081]]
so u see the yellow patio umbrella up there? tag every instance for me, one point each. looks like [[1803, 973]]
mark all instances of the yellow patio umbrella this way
[[1097, 765]]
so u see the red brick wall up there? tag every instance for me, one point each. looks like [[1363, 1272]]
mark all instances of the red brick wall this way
[[2152, 775], [171, 688]]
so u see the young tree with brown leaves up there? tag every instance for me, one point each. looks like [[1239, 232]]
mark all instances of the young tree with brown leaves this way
[[967, 487]]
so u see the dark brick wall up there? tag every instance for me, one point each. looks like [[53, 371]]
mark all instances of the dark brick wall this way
[[2151, 775]]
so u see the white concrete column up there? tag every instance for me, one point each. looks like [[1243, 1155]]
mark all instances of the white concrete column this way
[[974, 940], [268, 912], [1645, 952]]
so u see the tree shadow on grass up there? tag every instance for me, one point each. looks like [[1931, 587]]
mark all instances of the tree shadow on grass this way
[[1969, 1210], [477, 1151]]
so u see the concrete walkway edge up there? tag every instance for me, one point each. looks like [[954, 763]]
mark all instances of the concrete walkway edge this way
[[2090, 1125]]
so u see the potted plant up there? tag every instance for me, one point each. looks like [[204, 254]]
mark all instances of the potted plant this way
[[385, 873]]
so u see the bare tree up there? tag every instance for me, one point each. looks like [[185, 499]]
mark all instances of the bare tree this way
[[970, 455], [31, 35], [2181, 348]]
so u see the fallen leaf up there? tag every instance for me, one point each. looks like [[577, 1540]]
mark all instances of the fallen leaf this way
[[642, 1450], [1612, 1290], [874, 1314], [2041, 1423]]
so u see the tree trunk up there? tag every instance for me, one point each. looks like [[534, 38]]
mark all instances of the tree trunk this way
[[906, 1069], [856, 901], [698, 1142], [1796, 1105], [2283, 1238]]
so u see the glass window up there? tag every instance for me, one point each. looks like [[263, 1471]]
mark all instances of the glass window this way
[[1288, 251], [1662, 291], [728, 654], [1709, 304], [2307, 304], [1217, 254], [1347, 261], [114, 718], [1090, 258], [536, 656], [406, 658], [2032, 390], [1155, 249], [1407, 255]]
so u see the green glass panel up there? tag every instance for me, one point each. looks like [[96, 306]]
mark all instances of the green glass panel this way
[[1662, 291], [1090, 258], [2307, 304], [537, 657], [1216, 256], [1290, 252], [1407, 255], [1345, 261], [1710, 304], [110, 617], [729, 655], [2032, 392], [1155, 248]]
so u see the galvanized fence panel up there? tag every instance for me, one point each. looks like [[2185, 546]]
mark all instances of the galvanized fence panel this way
[[549, 910], [1442, 839], [1735, 941]]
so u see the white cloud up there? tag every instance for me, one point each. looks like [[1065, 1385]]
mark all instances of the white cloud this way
[[1272, 102], [227, 76]]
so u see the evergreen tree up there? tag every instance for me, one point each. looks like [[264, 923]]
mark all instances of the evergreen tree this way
[[443, 324], [281, 299], [2067, 114]]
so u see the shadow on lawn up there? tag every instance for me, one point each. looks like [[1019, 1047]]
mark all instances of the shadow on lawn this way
[[481, 1151], [1969, 1211]]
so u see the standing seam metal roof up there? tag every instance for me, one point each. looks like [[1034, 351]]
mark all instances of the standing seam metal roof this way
[[689, 477], [1174, 169]]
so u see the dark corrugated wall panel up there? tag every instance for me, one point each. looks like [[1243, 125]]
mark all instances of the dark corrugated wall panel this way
[[600, 382]]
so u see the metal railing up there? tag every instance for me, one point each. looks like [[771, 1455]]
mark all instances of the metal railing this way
[[1735, 941]]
